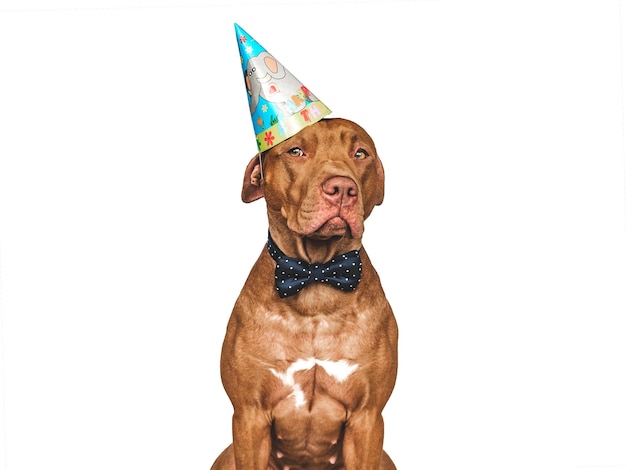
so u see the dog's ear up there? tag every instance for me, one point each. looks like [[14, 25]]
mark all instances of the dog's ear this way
[[380, 174], [252, 190]]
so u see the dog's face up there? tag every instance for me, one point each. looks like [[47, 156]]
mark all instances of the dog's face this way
[[321, 183]]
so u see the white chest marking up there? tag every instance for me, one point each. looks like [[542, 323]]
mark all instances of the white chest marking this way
[[339, 370]]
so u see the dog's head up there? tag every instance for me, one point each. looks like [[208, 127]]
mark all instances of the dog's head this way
[[321, 183]]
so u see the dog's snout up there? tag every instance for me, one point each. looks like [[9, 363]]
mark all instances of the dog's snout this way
[[340, 189]]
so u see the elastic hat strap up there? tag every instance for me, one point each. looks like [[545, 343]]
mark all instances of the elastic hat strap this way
[[260, 165]]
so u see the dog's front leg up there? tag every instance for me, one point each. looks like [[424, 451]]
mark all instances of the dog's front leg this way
[[363, 441], [251, 439]]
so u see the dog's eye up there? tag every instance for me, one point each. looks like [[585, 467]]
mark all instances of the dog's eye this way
[[296, 152], [361, 154]]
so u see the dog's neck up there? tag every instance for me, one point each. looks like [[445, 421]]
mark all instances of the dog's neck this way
[[310, 249]]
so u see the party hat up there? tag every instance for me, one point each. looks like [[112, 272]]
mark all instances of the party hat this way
[[280, 105]]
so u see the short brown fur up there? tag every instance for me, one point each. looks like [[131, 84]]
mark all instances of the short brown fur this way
[[339, 425]]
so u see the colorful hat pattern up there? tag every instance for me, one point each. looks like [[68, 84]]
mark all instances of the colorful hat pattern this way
[[280, 105]]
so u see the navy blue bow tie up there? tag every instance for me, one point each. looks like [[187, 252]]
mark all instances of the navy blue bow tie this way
[[292, 275]]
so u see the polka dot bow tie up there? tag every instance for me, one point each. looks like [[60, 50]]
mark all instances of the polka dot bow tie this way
[[342, 272]]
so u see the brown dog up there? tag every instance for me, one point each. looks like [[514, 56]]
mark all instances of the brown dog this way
[[309, 374]]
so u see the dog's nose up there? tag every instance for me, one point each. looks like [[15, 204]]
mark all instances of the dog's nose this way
[[340, 189]]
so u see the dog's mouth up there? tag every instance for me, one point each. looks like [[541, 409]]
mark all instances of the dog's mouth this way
[[333, 227], [326, 217]]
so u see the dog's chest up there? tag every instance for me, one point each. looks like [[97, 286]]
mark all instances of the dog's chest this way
[[313, 364], [311, 404], [317, 370], [308, 378]]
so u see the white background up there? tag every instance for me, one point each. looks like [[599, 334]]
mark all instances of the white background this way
[[124, 133]]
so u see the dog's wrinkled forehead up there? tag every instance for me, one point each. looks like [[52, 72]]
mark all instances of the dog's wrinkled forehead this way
[[344, 135]]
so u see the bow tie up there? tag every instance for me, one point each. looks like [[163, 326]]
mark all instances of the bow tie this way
[[342, 272]]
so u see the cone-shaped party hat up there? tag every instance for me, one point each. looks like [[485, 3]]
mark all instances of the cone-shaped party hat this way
[[280, 105]]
